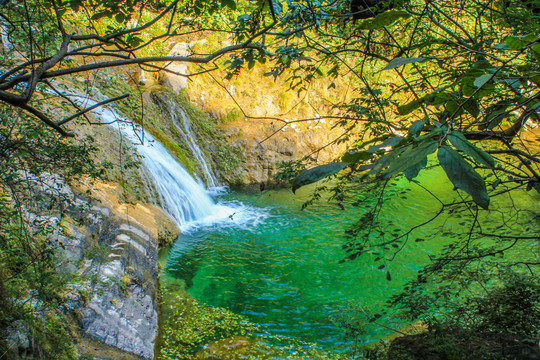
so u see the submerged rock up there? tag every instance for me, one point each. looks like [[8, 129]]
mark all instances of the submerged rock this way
[[235, 347]]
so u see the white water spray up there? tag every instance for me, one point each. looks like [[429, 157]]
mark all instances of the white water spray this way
[[180, 194]]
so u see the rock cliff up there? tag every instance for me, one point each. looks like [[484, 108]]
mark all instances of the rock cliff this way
[[110, 249]]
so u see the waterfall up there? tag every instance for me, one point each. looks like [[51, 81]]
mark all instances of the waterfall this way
[[180, 194], [185, 131]]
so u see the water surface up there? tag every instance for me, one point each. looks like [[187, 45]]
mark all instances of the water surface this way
[[278, 265]]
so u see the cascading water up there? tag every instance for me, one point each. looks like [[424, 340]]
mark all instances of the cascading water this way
[[180, 194], [184, 130]]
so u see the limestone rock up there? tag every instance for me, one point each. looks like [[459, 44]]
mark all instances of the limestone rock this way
[[172, 79], [114, 247]]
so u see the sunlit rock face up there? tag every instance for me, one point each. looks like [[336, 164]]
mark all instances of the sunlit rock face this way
[[173, 78], [265, 145]]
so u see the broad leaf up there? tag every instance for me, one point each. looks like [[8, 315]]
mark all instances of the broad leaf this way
[[482, 80], [355, 156], [384, 19], [390, 142], [535, 50], [461, 143], [518, 42], [410, 157], [463, 176], [471, 106], [397, 62], [536, 186], [383, 161], [317, 173], [231, 4], [415, 128], [410, 107], [413, 171]]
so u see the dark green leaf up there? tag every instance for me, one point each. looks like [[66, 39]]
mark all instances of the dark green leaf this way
[[461, 143], [382, 20], [101, 14], [413, 171], [75, 4], [120, 17], [463, 176], [535, 50], [536, 186], [383, 161], [356, 156], [317, 173], [495, 119], [410, 157], [410, 107], [388, 277], [231, 4], [415, 128], [392, 141], [471, 106]]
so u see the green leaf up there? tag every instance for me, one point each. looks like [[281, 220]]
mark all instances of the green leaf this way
[[392, 141], [75, 4], [471, 106], [514, 43], [482, 80], [413, 171], [384, 19], [411, 156], [461, 143], [383, 161], [410, 107], [355, 156], [535, 50], [317, 173], [101, 14], [518, 42], [463, 176], [120, 17], [415, 128], [397, 62], [231, 4]]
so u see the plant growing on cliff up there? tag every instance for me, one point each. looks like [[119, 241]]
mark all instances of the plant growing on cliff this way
[[31, 282]]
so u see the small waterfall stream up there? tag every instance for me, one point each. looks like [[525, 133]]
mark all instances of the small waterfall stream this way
[[185, 199], [184, 130]]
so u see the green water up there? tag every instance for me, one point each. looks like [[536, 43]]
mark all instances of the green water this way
[[279, 265]]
